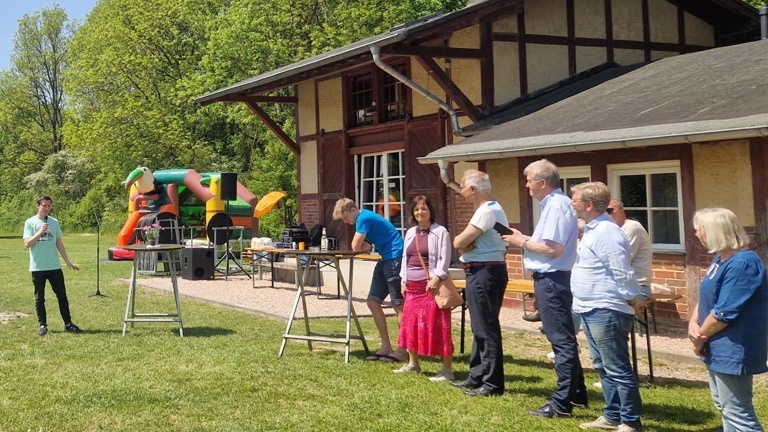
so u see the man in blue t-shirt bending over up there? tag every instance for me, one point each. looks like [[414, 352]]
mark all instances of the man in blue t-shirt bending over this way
[[372, 229]]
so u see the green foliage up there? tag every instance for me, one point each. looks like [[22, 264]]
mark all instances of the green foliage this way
[[129, 76], [757, 3]]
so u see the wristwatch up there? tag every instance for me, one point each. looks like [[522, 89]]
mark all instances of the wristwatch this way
[[524, 245]]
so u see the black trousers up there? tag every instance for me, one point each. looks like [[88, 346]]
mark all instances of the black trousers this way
[[56, 277], [485, 293]]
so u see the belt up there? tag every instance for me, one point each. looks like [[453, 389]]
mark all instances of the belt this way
[[537, 275], [483, 264]]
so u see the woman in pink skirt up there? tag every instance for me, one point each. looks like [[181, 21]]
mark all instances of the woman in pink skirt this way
[[425, 330]]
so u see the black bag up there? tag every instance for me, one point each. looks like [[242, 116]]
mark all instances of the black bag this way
[[315, 234]]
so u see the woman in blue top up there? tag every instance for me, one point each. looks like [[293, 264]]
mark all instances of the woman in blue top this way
[[729, 326]]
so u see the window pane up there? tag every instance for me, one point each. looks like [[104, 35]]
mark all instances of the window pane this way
[[633, 191], [368, 163], [640, 216], [665, 226], [393, 160], [368, 191], [664, 190], [567, 184]]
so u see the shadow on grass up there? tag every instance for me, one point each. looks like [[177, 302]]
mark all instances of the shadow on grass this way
[[686, 416], [205, 331]]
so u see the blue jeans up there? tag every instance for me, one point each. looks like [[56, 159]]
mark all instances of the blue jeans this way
[[554, 299], [732, 395], [608, 336]]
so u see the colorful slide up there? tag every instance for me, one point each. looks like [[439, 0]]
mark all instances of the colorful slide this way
[[158, 193]]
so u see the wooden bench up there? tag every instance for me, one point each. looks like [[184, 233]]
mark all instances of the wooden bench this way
[[515, 286], [525, 287]]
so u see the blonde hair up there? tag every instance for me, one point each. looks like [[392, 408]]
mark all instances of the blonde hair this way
[[595, 192], [721, 229], [342, 205]]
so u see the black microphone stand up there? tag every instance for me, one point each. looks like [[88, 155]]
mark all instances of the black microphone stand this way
[[98, 252]]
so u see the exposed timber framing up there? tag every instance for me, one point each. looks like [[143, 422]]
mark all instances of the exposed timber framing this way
[[453, 91], [274, 127]]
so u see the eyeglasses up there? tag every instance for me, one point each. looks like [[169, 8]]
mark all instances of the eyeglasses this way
[[609, 210]]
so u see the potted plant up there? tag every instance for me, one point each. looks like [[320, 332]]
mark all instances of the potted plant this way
[[152, 234]]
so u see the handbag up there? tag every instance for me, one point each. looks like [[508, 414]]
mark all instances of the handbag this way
[[447, 296]]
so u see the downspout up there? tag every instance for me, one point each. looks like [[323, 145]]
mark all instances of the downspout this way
[[764, 22], [457, 130]]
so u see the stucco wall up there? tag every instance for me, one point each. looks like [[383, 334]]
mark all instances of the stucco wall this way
[[306, 109], [506, 72], [505, 180], [628, 57], [697, 32], [627, 19], [546, 17], [547, 64], [663, 17], [308, 174], [329, 94], [589, 57], [421, 105], [466, 72], [722, 177], [589, 17]]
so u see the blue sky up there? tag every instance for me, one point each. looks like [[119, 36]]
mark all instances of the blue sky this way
[[11, 11]]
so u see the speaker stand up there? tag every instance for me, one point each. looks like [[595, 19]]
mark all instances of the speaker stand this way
[[228, 254], [98, 252]]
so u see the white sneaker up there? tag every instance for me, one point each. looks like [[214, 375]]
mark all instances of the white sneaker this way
[[551, 356], [443, 375], [602, 423], [408, 367], [627, 428]]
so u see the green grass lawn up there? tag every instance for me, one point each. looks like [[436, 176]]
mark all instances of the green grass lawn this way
[[224, 375]]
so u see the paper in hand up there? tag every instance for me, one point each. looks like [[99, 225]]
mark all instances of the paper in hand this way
[[503, 229]]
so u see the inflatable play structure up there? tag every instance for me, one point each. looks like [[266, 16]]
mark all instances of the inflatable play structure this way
[[180, 198]]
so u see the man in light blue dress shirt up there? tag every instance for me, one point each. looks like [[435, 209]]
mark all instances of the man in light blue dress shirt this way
[[605, 295], [549, 254]]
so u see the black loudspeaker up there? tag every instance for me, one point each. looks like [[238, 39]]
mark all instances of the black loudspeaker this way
[[228, 186], [197, 263]]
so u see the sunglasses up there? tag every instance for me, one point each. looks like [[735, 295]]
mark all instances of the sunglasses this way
[[609, 210]]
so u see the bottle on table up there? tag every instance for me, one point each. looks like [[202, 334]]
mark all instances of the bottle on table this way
[[324, 241]]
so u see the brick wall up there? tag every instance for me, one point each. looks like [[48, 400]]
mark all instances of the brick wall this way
[[309, 212]]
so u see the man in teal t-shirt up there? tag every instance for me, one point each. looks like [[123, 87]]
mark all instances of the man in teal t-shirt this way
[[42, 236], [372, 229]]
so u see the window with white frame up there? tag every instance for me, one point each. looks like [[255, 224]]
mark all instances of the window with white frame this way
[[652, 195], [569, 177], [379, 184]]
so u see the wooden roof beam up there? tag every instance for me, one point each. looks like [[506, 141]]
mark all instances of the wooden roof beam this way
[[445, 83], [438, 52], [274, 127], [260, 99]]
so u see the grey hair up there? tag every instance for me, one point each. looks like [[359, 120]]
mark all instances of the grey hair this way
[[544, 170], [478, 179]]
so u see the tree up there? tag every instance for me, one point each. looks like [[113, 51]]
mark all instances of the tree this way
[[39, 60]]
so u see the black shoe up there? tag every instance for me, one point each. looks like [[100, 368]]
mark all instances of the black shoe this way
[[549, 411], [484, 392], [71, 328], [532, 317], [580, 400], [466, 384]]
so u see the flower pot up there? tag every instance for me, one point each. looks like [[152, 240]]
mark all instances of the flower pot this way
[[151, 242]]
